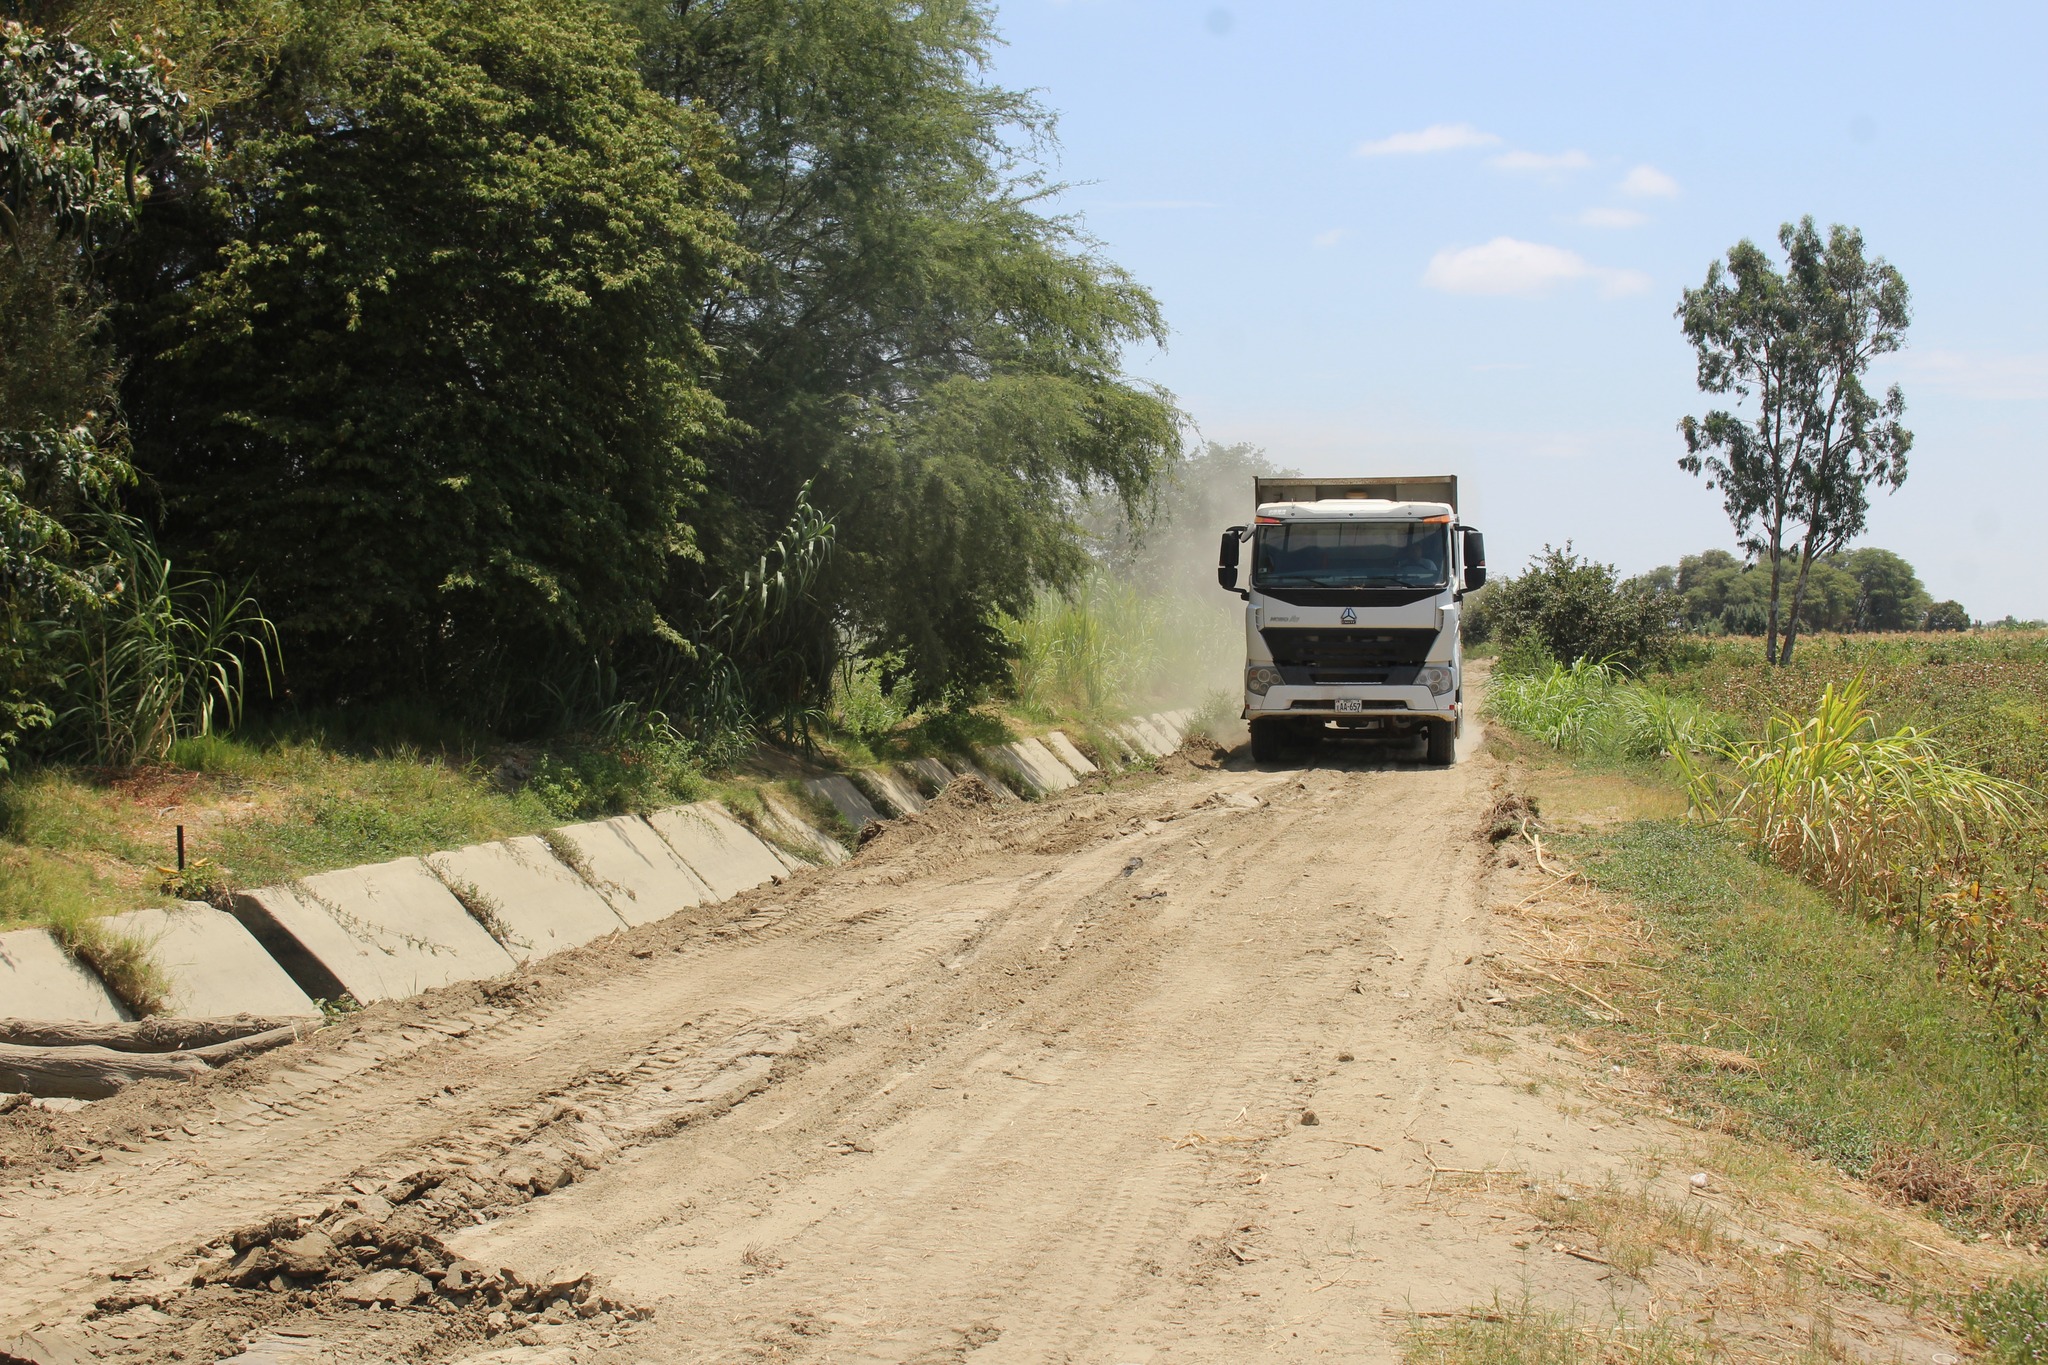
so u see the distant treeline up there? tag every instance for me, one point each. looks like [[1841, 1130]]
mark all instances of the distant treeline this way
[[537, 362], [1562, 607], [1714, 592]]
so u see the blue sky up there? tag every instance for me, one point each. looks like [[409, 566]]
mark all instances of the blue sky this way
[[1450, 238]]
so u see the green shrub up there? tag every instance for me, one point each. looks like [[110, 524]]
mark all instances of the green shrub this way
[[2009, 1321], [872, 697], [1578, 609], [649, 766]]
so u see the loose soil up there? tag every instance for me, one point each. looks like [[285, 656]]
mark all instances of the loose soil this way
[[1201, 1065]]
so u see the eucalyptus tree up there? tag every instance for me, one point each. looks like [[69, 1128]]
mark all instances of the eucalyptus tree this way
[[1792, 346]]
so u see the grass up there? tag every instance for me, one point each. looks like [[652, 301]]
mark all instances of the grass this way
[[1524, 1334], [122, 960], [2008, 1321], [1866, 1050], [78, 842]]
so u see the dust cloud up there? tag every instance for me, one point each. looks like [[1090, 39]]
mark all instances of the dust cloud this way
[[1167, 553]]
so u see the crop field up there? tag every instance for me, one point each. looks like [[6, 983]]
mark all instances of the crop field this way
[[1986, 694]]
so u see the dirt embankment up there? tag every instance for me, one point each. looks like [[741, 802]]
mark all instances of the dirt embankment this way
[[1194, 1067]]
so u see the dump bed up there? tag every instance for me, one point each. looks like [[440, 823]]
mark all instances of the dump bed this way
[[1394, 488]]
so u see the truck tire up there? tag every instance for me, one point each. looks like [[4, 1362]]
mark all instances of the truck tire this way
[[1269, 739], [1443, 745]]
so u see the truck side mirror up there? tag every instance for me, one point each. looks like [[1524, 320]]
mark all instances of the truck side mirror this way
[[1475, 560], [1226, 559]]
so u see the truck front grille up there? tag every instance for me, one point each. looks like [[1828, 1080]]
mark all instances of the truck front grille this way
[[1349, 655]]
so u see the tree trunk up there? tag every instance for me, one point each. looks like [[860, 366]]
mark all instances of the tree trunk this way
[[1777, 577], [93, 1073], [1798, 601], [146, 1035]]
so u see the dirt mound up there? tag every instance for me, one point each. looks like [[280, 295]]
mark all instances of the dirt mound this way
[[965, 803]]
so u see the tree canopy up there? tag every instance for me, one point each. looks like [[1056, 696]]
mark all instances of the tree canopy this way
[[1796, 471], [419, 358], [526, 357]]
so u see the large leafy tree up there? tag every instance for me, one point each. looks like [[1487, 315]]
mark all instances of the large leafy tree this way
[[913, 334], [418, 346], [1795, 470]]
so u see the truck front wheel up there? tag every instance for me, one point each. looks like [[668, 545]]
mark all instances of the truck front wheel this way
[[1443, 744], [1269, 738]]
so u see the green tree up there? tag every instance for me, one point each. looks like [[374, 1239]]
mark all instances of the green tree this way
[[1573, 608], [1889, 595], [912, 333], [1796, 473], [420, 352], [1949, 615]]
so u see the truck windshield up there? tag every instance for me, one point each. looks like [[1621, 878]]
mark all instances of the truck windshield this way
[[1352, 554]]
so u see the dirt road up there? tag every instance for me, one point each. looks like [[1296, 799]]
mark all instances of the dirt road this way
[[1162, 1072]]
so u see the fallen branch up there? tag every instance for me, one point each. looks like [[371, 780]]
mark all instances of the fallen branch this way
[[144, 1035], [94, 1073]]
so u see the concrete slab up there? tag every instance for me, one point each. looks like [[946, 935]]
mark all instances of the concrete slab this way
[[216, 967], [895, 790], [1161, 742], [1166, 725], [1011, 770], [1033, 763], [533, 903], [634, 869], [381, 932], [1067, 752], [39, 980], [928, 774], [1135, 740], [717, 847], [1055, 774], [850, 801], [815, 843], [1124, 750], [1051, 770]]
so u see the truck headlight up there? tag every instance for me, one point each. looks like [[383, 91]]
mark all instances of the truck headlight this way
[[1436, 677], [1260, 677]]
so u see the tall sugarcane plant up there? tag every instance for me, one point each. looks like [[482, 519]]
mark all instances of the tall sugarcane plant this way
[[163, 656]]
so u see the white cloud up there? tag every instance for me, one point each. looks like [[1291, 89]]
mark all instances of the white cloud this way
[[1977, 374], [1528, 269], [1541, 162], [1613, 218], [1438, 137], [1647, 182], [1330, 238]]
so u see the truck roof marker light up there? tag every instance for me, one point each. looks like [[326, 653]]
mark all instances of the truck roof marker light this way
[[1436, 521], [1276, 521]]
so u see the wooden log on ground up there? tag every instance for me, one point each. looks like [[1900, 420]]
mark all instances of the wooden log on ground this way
[[94, 1073], [143, 1035]]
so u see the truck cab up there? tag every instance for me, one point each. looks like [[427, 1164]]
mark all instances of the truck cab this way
[[1352, 600]]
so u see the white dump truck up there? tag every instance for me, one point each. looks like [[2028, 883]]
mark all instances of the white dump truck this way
[[1351, 609]]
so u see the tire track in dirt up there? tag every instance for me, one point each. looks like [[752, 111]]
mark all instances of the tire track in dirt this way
[[999, 1080], [1070, 1214]]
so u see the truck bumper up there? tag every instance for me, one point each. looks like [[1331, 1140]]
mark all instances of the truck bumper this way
[[1390, 706]]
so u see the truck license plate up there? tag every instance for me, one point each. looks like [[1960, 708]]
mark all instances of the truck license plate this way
[[1350, 704]]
